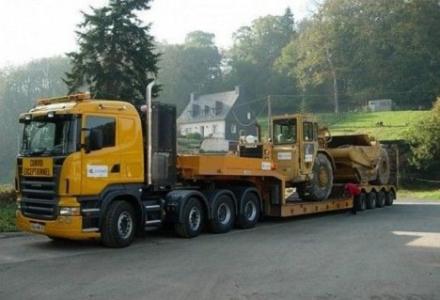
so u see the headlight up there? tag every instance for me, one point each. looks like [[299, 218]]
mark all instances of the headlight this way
[[69, 211]]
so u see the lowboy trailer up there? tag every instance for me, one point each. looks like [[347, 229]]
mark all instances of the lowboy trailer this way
[[96, 169]]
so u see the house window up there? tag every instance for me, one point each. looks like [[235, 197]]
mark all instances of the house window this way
[[233, 128], [207, 109]]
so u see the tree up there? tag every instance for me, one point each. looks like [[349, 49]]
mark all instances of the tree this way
[[19, 88], [191, 67], [369, 49], [254, 53], [115, 52], [425, 143]]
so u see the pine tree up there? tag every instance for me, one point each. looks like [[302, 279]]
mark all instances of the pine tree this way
[[116, 52]]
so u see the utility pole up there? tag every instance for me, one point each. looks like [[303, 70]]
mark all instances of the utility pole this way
[[269, 117]]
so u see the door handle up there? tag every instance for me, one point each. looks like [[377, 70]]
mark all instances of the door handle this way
[[116, 168]]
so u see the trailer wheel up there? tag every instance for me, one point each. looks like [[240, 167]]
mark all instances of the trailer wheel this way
[[223, 214], [250, 214], [383, 169], [389, 198], [119, 225], [361, 202], [193, 219], [371, 200], [320, 187], [380, 200]]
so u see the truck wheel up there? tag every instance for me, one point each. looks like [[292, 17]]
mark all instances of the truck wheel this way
[[380, 200], [193, 219], [361, 202], [320, 187], [383, 169], [248, 218], [371, 200], [223, 214], [119, 225], [389, 198]]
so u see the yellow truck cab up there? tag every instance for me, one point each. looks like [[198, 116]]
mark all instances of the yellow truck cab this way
[[77, 156]]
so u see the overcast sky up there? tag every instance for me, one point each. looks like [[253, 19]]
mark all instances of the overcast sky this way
[[40, 28]]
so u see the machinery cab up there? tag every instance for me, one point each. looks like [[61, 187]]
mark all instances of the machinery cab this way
[[295, 145]]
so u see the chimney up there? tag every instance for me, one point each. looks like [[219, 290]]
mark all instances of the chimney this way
[[192, 97]]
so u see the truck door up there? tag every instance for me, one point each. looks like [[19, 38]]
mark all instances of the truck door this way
[[285, 147], [100, 166], [309, 146]]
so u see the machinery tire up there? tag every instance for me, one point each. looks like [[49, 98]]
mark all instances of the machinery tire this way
[[193, 219], [320, 187], [383, 169], [361, 202], [223, 214], [119, 225], [380, 200], [389, 198], [371, 200], [250, 215]]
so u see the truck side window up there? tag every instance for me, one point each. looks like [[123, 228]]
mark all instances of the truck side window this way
[[108, 127], [308, 132], [284, 131]]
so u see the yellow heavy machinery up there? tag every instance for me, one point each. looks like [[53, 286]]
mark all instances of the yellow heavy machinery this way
[[97, 169]]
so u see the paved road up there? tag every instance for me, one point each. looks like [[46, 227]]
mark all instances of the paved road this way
[[390, 253]]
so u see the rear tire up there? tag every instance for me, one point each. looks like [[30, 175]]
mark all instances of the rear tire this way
[[223, 214], [389, 198], [320, 187], [193, 219], [380, 201], [119, 225], [371, 200], [383, 169], [361, 202], [250, 215]]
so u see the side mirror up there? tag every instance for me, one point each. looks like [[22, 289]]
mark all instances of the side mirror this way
[[96, 140]]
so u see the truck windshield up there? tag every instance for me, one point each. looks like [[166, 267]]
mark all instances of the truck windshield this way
[[49, 136], [284, 131]]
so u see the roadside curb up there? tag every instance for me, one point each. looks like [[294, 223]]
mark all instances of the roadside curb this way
[[8, 235]]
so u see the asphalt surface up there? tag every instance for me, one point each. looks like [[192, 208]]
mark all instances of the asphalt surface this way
[[390, 253]]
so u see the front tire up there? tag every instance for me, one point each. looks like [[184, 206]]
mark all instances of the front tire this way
[[320, 187], [193, 219], [119, 225]]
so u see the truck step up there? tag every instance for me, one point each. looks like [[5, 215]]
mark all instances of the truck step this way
[[153, 222]]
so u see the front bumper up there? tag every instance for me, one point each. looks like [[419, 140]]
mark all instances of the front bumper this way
[[69, 227]]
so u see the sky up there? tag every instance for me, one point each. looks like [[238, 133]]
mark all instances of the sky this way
[[31, 29]]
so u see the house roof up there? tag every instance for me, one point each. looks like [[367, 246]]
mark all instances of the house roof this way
[[207, 107]]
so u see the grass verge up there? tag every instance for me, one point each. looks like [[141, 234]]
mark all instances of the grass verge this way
[[7, 209], [414, 194]]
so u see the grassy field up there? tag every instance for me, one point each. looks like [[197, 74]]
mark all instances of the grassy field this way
[[432, 194], [395, 123], [7, 209]]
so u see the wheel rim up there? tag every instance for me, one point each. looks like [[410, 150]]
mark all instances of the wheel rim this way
[[194, 218], [224, 214], [250, 211], [125, 225]]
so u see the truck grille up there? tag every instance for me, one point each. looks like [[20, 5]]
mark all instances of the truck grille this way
[[39, 195]]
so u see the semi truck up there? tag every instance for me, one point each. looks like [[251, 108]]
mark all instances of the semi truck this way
[[106, 170]]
